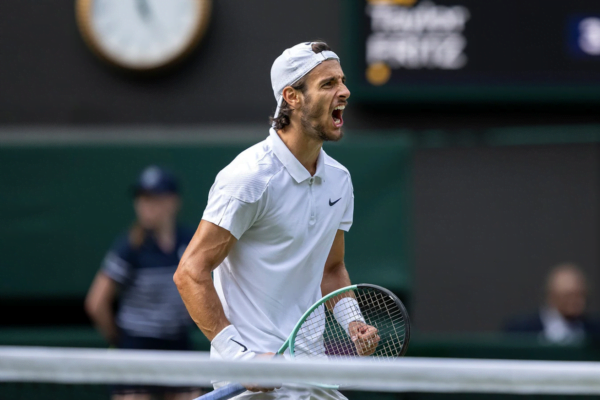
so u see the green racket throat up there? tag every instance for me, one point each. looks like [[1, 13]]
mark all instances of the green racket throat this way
[[289, 342]]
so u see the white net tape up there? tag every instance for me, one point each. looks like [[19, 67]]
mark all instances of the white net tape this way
[[92, 366]]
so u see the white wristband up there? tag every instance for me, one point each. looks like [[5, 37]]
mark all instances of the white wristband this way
[[228, 343], [347, 310]]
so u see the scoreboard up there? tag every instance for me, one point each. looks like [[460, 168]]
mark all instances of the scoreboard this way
[[473, 50]]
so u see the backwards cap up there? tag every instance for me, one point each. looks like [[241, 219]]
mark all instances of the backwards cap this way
[[292, 65]]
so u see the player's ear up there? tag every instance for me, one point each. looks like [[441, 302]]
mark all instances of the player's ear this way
[[292, 97]]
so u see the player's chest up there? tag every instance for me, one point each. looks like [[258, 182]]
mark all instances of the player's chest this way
[[312, 205]]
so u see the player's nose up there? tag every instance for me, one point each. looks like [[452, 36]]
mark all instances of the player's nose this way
[[344, 92]]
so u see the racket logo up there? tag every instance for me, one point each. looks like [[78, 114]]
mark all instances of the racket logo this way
[[245, 348], [332, 203]]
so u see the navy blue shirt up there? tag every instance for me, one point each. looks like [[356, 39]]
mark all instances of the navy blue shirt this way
[[150, 304]]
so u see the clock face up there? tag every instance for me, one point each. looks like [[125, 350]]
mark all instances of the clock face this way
[[142, 34]]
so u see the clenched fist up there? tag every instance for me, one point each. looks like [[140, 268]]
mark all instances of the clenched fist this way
[[365, 337]]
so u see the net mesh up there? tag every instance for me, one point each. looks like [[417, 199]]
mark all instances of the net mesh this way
[[364, 321], [58, 373]]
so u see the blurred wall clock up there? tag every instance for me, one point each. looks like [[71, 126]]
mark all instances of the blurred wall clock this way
[[142, 35]]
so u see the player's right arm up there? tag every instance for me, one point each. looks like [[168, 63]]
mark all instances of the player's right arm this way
[[205, 252]]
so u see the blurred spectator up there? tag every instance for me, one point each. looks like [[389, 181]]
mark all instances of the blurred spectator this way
[[138, 272], [562, 319]]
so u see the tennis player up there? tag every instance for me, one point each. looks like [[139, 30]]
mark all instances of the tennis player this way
[[273, 228]]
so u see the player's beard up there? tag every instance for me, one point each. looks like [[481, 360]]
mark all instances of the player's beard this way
[[310, 122]]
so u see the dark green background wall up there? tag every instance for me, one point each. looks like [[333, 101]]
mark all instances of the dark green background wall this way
[[62, 205], [453, 221]]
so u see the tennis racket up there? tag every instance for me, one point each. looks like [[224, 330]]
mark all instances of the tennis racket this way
[[355, 321]]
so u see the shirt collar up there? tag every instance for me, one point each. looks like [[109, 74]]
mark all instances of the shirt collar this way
[[291, 163]]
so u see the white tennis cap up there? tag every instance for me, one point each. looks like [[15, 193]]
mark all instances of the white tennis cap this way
[[293, 64]]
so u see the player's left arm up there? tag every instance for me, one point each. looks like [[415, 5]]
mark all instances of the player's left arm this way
[[335, 276]]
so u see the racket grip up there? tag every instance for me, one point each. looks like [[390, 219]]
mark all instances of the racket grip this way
[[224, 393]]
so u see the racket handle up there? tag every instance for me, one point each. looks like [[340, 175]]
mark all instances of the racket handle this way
[[224, 393]]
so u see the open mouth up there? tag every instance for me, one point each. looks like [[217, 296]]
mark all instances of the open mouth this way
[[336, 115]]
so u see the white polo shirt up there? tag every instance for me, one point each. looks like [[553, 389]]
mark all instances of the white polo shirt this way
[[285, 221]]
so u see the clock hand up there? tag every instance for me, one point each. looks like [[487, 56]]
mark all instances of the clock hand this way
[[144, 9]]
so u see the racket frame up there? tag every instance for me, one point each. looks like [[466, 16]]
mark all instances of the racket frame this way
[[291, 339]]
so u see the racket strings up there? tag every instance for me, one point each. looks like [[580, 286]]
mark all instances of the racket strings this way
[[325, 333], [387, 317]]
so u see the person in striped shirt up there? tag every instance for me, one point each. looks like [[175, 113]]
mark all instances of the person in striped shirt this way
[[137, 271]]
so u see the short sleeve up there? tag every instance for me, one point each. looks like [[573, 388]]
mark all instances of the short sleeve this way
[[348, 217], [230, 213], [117, 262]]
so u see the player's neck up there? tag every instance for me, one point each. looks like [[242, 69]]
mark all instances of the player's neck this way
[[305, 148]]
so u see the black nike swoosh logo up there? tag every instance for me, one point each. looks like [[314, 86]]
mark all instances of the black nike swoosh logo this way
[[332, 203], [245, 348]]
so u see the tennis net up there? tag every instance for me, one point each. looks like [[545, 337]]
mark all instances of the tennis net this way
[[63, 373]]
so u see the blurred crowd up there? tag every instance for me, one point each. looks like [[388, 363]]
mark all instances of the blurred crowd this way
[[562, 318]]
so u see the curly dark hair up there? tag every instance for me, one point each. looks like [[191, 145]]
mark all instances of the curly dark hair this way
[[283, 119]]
